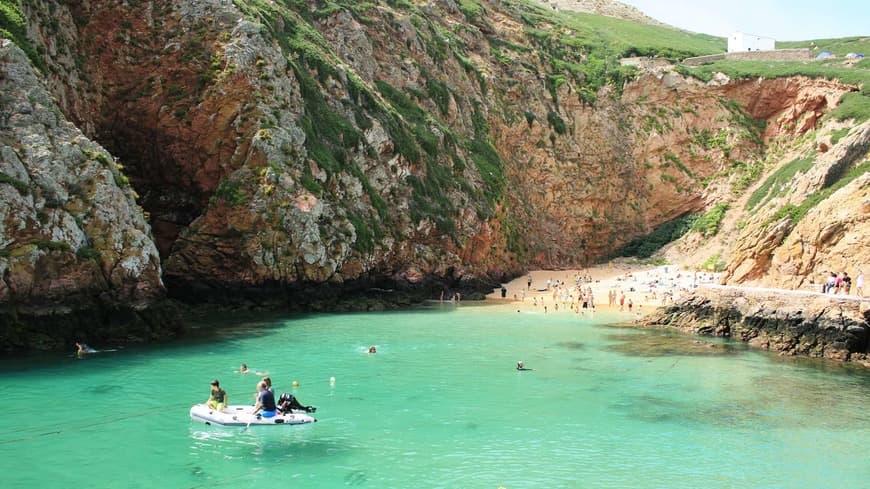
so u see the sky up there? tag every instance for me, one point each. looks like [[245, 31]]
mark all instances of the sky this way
[[783, 20]]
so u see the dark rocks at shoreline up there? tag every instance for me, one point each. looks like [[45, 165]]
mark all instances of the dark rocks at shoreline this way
[[372, 294], [809, 325], [49, 326], [46, 328]]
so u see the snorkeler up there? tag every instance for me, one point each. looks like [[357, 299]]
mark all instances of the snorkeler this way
[[522, 366], [83, 349]]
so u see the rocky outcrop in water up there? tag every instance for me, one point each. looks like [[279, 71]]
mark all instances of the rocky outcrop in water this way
[[791, 323]]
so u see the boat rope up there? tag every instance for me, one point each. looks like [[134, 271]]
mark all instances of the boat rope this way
[[101, 421]]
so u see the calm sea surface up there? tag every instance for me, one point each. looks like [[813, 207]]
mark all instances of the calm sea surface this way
[[439, 406]]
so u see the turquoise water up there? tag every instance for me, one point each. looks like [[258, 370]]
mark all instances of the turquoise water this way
[[439, 406]]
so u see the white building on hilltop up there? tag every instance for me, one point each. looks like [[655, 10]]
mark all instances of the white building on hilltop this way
[[740, 42]]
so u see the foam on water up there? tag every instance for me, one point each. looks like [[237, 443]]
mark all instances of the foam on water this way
[[439, 405]]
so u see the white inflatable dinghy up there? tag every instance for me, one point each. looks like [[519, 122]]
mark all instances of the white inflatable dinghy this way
[[241, 416]]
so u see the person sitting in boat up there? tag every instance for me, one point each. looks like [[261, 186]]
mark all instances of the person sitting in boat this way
[[288, 402], [268, 382], [265, 405], [84, 349], [218, 398]]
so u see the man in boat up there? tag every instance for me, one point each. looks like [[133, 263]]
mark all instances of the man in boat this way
[[218, 398], [288, 402], [265, 405]]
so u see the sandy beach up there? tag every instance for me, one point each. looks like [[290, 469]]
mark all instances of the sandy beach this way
[[642, 287]]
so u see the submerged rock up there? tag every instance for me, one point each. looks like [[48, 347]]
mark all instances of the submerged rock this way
[[652, 344]]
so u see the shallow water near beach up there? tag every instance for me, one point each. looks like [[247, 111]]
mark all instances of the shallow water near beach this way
[[440, 405]]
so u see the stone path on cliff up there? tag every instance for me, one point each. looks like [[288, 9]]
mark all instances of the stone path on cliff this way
[[788, 292]]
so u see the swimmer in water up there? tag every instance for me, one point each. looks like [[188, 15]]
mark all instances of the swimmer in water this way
[[372, 349], [522, 366], [243, 369], [83, 349]]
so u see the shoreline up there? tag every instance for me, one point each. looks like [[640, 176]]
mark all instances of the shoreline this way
[[648, 286], [791, 322], [644, 287]]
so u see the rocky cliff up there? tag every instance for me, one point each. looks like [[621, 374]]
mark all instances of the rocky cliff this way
[[804, 217], [300, 153], [793, 323], [74, 243]]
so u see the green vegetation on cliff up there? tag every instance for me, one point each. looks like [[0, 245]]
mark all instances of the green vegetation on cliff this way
[[13, 26], [20, 186], [708, 223], [797, 212], [646, 246], [774, 183]]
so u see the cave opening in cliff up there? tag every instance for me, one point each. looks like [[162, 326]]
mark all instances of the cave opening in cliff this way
[[167, 193]]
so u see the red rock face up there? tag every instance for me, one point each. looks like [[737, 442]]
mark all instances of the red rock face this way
[[168, 108], [790, 106]]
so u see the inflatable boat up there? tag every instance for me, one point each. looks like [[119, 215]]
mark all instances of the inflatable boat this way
[[241, 416]]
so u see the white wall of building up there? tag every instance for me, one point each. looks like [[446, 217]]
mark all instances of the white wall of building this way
[[741, 42]]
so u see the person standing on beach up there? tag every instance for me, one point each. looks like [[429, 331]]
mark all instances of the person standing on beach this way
[[529, 282], [831, 282], [847, 283], [859, 284]]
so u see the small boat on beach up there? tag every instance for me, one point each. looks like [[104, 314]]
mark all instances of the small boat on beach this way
[[241, 416]]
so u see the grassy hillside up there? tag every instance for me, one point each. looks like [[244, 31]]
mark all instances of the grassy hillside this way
[[600, 35], [838, 47]]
